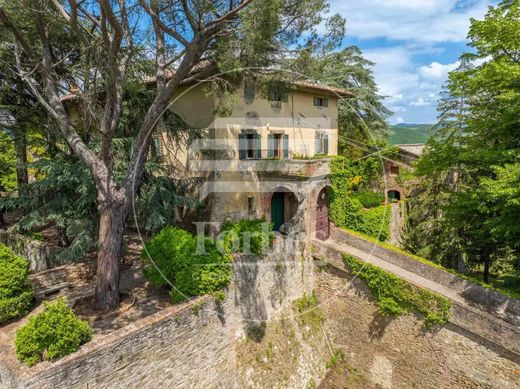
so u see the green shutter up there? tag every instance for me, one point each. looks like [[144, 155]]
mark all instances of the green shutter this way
[[326, 102], [316, 101], [157, 146], [270, 146], [286, 146], [258, 146], [326, 144], [242, 146]]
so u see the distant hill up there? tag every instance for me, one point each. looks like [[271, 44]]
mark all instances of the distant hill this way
[[406, 133]]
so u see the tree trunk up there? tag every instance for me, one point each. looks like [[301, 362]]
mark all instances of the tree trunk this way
[[111, 225], [487, 264], [22, 176]]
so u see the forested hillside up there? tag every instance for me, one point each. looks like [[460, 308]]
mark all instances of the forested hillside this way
[[409, 133]]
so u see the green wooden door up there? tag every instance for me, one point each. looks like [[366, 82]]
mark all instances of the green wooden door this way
[[277, 210]]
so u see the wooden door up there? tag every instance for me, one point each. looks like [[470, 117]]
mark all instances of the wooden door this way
[[322, 217], [278, 210]]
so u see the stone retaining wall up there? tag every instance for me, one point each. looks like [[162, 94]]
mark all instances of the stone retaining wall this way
[[470, 319], [186, 345], [487, 299], [40, 256]]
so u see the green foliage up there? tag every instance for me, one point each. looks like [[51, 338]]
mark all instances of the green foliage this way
[[395, 296], [337, 357], [309, 311], [402, 134], [190, 266], [361, 118], [51, 334], [16, 297], [7, 163], [376, 222], [369, 199], [350, 181], [469, 206], [246, 236]]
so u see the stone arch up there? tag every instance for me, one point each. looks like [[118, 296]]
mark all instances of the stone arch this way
[[321, 217], [394, 195], [283, 206]]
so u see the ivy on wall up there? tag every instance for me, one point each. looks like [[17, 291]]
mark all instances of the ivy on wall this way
[[396, 296], [351, 193]]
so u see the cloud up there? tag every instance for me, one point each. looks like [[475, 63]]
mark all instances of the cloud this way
[[420, 102], [414, 44], [410, 20], [437, 71]]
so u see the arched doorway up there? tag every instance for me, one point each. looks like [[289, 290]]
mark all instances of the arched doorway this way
[[283, 207], [394, 195], [322, 216]]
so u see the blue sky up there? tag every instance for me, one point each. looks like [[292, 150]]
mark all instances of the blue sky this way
[[414, 43]]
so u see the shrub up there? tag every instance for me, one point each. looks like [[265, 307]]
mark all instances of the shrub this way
[[176, 263], [308, 309], [370, 199], [16, 297], [396, 296], [235, 235], [51, 334], [376, 222]]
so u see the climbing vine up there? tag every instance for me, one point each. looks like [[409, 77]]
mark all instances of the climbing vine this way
[[396, 296], [353, 203]]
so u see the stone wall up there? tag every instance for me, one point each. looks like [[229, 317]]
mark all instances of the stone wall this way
[[186, 345], [471, 319], [386, 352], [40, 256], [484, 298], [255, 338]]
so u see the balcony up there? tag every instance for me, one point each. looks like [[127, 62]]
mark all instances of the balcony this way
[[293, 168]]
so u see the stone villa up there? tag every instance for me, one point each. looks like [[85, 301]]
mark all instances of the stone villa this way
[[268, 158]]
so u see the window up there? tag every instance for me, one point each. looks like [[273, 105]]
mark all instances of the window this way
[[321, 102], [249, 145], [322, 143], [278, 146], [394, 170], [249, 92], [156, 146], [251, 204], [278, 93]]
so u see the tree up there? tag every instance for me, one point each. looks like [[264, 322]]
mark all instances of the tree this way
[[111, 40], [362, 118], [474, 154]]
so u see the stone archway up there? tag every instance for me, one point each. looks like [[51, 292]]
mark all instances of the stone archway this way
[[322, 215], [394, 195], [284, 205]]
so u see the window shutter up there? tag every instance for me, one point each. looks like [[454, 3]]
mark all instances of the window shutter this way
[[258, 146], [317, 143], [326, 144], [157, 146], [286, 146], [284, 96], [316, 101], [242, 146], [326, 102], [270, 146]]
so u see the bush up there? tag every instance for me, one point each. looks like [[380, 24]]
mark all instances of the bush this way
[[396, 296], [234, 235], [369, 199], [376, 222], [176, 263], [16, 297], [51, 334]]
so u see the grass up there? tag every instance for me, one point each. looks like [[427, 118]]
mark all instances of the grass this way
[[495, 284], [395, 296]]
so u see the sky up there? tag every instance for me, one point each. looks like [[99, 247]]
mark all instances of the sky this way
[[414, 44]]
